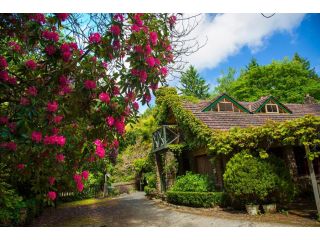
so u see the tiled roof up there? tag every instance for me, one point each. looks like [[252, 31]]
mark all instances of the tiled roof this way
[[226, 120]]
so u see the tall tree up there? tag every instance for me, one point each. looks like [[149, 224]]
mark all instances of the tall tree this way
[[193, 84], [288, 80], [224, 81]]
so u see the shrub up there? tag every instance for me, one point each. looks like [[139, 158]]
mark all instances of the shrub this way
[[192, 182], [151, 179], [150, 191], [196, 199], [249, 179]]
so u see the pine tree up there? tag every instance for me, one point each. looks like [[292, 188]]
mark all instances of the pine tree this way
[[193, 84]]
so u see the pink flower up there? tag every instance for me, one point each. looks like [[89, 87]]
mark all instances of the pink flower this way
[[137, 19], [118, 17], [116, 90], [60, 140], [60, 157], [14, 46], [66, 56], [12, 146], [52, 106], [100, 151], [98, 143], [147, 97], [63, 80], [38, 17], [135, 106], [172, 20], [12, 80], [77, 178], [36, 136], [104, 97], [52, 195], [51, 36], [24, 101], [143, 76], [3, 63], [94, 38], [135, 28], [153, 38], [4, 76], [73, 46], [110, 121], [115, 30], [105, 65], [120, 126], [32, 91], [85, 175], [21, 166], [164, 71], [50, 50], [55, 131], [4, 120], [89, 84], [150, 61], [116, 44], [80, 186], [57, 119], [148, 49], [65, 47], [12, 126], [62, 16], [31, 64], [51, 180]]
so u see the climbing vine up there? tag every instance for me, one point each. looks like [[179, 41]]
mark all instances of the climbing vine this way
[[301, 131]]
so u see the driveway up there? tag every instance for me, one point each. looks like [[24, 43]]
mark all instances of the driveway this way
[[137, 211]]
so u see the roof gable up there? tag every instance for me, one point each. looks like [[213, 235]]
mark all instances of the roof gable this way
[[268, 99], [219, 99]]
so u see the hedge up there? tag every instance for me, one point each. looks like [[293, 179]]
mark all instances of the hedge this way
[[196, 199]]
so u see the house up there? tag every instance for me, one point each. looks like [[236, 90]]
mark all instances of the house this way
[[223, 113]]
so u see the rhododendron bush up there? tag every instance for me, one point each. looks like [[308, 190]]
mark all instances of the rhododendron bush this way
[[63, 106]]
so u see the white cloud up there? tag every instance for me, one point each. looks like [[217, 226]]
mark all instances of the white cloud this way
[[228, 33]]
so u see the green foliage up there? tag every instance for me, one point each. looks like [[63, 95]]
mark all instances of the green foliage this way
[[248, 178], [193, 85], [149, 191], [192, 182], [196, 199], [224, 81], [10, 202], [251, 179], [287, 80], [140, 164], [151, 179]]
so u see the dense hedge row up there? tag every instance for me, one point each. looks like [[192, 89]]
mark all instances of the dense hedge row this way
[[196, 199]]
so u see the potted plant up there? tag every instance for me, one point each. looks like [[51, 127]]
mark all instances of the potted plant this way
[[269, 208], [252, 209]]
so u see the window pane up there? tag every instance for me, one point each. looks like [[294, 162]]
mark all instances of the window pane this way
[[225, 107]]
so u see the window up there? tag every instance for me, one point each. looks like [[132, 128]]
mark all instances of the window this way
[[225, 107], [272, 108]]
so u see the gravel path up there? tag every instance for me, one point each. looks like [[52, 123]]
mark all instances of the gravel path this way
[[134, 210]]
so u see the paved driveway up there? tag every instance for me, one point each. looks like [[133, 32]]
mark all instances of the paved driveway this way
[[134, 210]]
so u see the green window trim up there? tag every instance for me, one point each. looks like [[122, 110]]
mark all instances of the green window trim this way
[[280, 105], [215, 102]]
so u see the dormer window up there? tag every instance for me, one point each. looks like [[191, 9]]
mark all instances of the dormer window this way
[[225, 107], [225, 103], [272, 108]]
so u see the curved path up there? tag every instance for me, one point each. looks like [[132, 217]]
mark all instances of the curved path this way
[[134, 210]]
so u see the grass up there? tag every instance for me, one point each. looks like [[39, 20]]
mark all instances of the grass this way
[[84, 202]]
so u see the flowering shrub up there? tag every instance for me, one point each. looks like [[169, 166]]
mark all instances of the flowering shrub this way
[[62, 108]]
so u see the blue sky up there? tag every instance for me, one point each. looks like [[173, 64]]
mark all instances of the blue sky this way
[[233, 39], [305, 40]]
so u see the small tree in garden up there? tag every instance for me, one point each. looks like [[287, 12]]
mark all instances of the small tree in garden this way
[[63, 108], [249, 179]]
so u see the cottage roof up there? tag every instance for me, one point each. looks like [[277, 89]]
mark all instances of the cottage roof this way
[[226, 120]]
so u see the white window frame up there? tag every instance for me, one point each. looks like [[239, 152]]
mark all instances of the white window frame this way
[[271, 104]]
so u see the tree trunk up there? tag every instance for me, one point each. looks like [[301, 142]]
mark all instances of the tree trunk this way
[[313, 180]]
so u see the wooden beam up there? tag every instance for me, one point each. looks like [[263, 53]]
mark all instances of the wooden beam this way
[[313, 180]]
